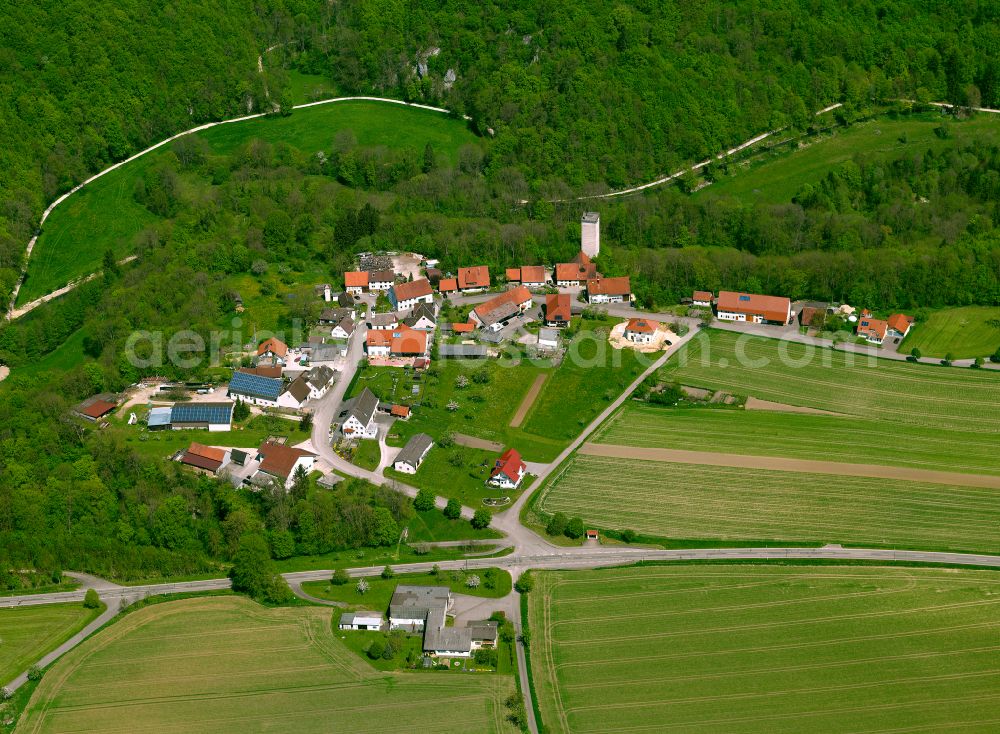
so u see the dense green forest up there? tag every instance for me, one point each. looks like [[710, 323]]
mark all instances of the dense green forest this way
[[85, 84], [569, 97]]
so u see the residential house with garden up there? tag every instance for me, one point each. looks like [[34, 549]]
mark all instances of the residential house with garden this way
[[413, 453], [753, 308], [558, 310], [406, 296], [609, 290], [508, 471], [425, 609], [472, 279], [358, 418], [641, 331]]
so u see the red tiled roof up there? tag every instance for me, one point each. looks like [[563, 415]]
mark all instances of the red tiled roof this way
[[400, 411], [273, 345], [509, 464], [477, 276], [582, 258], [771, 308], [409, 343], [203, 457], [356, 279], [900, 322], [558, 307], [702, 296], [575, 271], [97, 408], [876, 327], [378, 337], [609, 286], [532, 274], [447, 285], [272, 372], [413, 289], [278, 459], [209, 452], [642, 326], [463, 328], [515, 296], [514, 274]]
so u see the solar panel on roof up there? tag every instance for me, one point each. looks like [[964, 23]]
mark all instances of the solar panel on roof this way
[[744, 298], [201, 413], [246, 383]]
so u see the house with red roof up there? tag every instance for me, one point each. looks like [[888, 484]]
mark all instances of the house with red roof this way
[[641, 331], [558, 310], [530, 276], [272, 351], [207, 458], [279, 462], [497, 312], [406, 296], [448, 285], [753, 308], [876, 331], [899, 325], [575, 273], [609, 290], [476, 278], [509, 470], [356, 282], [96, 407], [702, 299]]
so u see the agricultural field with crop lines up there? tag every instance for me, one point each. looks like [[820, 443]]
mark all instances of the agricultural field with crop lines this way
[[225, 664], [826, 437], [924, 396], [694, 501], [753, 649]]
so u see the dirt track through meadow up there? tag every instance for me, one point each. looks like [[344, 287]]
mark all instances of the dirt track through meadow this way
[[776, 463], [529, 400]]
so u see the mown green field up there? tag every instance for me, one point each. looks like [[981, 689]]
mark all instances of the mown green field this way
[[766, 649], [795, 435], [681, 502], [776, 178], [897, 393], [28, 633], [104, 214], [966, 332], [225, 664]]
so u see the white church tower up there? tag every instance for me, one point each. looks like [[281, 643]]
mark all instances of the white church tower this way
[[590, 234]]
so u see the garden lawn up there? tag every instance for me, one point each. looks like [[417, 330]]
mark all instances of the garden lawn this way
[[367, 455], [766, 649], [380, 590], [681, 502], [796, 435], [431, 526], [224, 664], [776, 178], [966, 332], [457, 472], [28, 633]]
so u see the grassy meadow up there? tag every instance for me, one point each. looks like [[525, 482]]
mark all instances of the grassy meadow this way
[[104, 214], [225, 664], [802, 436], [896, 393], [965, 333], [28, 633], [684, 502], [766, 649], [430, 526], [775, 177]]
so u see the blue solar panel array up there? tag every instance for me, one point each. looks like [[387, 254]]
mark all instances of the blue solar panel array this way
[[213, 413], [244, 383]]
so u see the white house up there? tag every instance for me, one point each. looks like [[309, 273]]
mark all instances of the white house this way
[[378, 342], [359, 420], [753, 308], [426, 608], [405, 296], [509, 470], [383, 321], [280, 462], [381, 280], [409, 459], [356, 282], [609, 290], [255, 389], [422, 318], [360, 621], [641, 331], [320, 378], [702, 299], [344, 329], [295, 395]]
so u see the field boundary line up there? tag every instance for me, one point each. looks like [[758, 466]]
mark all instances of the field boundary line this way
[[529, 400], [801, 466]]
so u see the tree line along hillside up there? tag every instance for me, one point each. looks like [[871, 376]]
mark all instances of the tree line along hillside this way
[[581, 91], [85, 84]]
